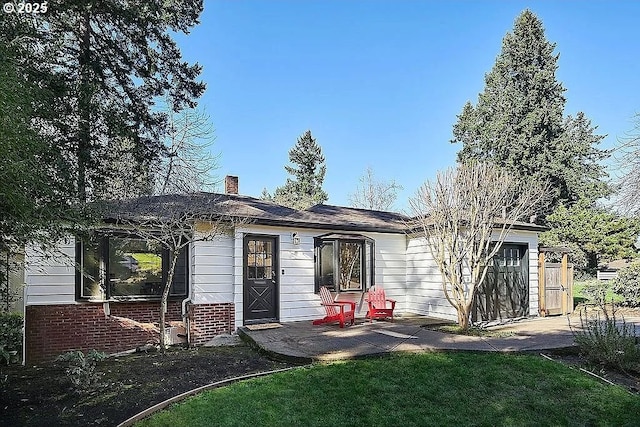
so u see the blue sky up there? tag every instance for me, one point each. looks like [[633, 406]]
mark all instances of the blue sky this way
[[379, 83]]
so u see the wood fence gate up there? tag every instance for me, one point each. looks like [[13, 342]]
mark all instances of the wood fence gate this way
[[555, 282]]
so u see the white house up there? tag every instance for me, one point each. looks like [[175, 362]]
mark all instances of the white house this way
[[267, 270]]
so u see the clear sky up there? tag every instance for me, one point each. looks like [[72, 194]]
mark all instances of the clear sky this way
[[379, 83]]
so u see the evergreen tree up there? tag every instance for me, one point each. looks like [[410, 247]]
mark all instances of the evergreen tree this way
[[304, 189], [518, 121], [35, 181], [109, 61], [594, 234]]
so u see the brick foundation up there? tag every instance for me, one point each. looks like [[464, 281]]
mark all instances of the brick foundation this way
[[55, 329], [209, 320]]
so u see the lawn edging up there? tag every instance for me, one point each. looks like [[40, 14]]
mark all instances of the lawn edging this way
[[160, 406]]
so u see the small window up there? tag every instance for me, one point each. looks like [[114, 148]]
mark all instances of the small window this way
[[508, 256], [344, 263], [127, 267]]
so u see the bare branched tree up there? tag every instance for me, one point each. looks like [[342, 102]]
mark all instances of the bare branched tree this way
[[187, 165], [465, 216], [628, 158], [174, 222], [374, 194]]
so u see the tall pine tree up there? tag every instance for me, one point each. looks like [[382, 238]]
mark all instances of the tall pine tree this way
[[304, 189], [109, 61], [518, 121]]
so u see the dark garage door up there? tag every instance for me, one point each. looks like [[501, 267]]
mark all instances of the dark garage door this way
[[505, 291]]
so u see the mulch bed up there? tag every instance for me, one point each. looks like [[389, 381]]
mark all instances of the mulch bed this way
[[43, 396]]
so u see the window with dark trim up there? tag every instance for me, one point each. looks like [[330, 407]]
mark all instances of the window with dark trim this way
[[126, 267], [344, 262]]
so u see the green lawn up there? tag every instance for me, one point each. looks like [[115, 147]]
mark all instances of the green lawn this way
[[580, 297], [414, 390]]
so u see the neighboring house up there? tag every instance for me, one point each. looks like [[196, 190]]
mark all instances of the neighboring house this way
[[269, 269], [609, 270]]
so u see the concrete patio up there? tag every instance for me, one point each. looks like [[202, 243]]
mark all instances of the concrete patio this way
[[303, 342]]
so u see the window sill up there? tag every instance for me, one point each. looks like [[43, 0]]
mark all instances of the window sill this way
[[130, 299]]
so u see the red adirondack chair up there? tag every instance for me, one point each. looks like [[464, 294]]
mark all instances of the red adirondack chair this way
[[378, 308], [336, 310]]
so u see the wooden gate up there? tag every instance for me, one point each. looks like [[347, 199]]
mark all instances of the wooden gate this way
[[555, 285]]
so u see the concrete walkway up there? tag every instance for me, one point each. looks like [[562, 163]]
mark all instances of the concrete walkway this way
[[303, 342]]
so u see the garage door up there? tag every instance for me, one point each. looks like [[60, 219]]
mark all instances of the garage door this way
[[505, 291]]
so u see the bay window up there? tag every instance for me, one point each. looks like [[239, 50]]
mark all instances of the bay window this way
[[344, 262]]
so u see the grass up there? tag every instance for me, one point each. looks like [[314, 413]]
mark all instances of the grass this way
[[148, 261], [420, 389], [580, 297]]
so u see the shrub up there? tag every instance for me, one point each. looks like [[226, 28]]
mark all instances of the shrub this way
[[596, 291], [605, 340], [10, 337], [627, 285], [81, 369]]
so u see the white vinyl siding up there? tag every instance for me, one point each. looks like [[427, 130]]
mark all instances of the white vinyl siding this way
[[212, 271], [51, 277], [424, 283]]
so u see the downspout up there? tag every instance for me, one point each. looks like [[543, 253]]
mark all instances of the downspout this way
[[24, 325], [187, 300], [185, 319]]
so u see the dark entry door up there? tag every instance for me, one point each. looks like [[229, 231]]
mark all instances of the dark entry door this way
[[505, 291], [260, 279]]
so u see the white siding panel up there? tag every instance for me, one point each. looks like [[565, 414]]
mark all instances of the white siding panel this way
[[212, 278], [51, 279], [51, 299], [424, 283]]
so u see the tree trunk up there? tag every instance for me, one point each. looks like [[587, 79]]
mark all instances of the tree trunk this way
[[165, 297], [463, 318], [84, 107]]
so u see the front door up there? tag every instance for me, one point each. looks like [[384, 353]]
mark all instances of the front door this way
[[260, 279]]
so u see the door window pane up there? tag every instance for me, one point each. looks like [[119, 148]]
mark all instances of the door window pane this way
[[259, 259], [251, 259]]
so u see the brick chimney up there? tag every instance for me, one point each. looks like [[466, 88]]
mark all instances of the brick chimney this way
[[230, 184]]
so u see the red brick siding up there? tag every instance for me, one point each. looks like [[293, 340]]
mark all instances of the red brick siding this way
[[55, 329], [209, 320]]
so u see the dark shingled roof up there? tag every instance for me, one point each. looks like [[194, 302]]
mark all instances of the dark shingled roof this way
[[265, 212], [260, 211]]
